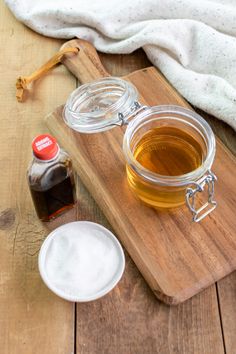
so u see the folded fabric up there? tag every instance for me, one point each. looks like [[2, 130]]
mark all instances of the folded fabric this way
[[193, 43]]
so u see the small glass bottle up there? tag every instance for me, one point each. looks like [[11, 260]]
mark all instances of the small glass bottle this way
[[50, 178]]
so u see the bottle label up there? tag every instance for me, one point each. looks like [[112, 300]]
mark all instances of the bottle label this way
[[45, 147]]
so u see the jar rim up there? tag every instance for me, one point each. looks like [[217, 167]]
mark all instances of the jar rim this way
[[194, 120], [103, 113]]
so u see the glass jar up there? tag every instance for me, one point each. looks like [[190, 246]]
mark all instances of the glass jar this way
[[110, 102], [169, 191], [100, 105]]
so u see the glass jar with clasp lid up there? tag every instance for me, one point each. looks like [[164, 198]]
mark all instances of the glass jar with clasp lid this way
[[169, 150]]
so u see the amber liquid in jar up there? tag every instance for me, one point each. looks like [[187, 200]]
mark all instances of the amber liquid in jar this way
[[167, 151]]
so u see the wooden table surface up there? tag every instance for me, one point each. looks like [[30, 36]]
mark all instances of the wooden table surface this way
[[129, 320]]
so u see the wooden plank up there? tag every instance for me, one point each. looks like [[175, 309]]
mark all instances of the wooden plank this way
[[227, 301], [196, 331], [130, 320], [178, 258], [19, 333], [32, 319]]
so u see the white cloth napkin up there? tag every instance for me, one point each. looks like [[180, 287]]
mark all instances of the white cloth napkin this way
[[192, 42]]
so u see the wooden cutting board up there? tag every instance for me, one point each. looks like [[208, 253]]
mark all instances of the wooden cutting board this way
[[178, 258]]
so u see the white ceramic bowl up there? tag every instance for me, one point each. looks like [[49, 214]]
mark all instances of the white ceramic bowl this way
[[85, 250]]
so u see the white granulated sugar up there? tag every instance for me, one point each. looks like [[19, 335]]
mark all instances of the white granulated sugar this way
[[81, 260]]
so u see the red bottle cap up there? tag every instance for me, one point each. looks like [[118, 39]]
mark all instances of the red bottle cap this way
[[45, 147]]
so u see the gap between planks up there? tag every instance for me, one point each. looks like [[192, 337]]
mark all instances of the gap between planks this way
[[220, 317]]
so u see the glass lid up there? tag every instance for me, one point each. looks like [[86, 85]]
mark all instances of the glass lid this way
[[100, 105]]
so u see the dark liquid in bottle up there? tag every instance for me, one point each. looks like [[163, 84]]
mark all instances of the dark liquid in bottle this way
[[53, 201]]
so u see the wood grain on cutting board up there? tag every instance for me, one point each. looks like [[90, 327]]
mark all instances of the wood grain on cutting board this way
[[177, 258]]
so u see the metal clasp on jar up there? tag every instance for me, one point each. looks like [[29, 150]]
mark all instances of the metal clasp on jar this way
[[209, 181], [124, 119]]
